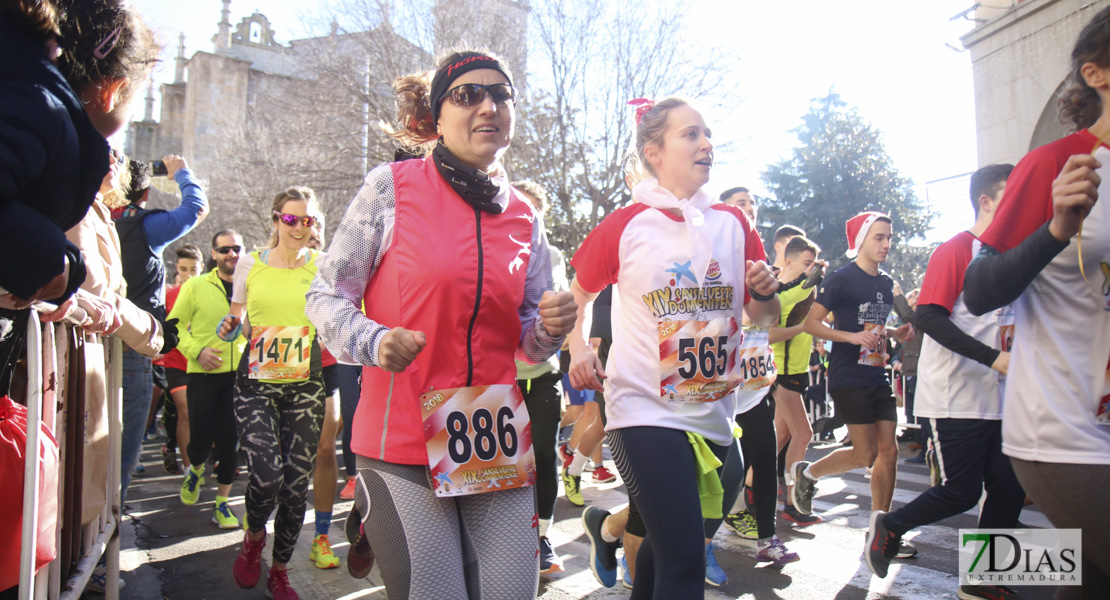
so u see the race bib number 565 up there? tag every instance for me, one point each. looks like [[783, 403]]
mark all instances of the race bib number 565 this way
[[479, 439], [698, 359]]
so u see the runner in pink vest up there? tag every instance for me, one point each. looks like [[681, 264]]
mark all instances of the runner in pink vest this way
[[454, 270]]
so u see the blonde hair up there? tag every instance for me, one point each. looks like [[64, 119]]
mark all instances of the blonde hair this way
[[301, 193], [650, 129], [117, 196]]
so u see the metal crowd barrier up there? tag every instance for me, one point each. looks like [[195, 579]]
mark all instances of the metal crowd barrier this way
[[101, 536]]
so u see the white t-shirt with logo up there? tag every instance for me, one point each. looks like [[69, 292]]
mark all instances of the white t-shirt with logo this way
[[1058, 382], [949, 385], [646, 252]]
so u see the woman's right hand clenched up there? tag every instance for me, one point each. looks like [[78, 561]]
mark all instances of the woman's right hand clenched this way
[[399, 348]]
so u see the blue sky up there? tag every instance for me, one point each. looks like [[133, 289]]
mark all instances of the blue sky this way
[[892, 60]]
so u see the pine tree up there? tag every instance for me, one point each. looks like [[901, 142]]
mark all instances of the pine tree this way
[[839, 169]]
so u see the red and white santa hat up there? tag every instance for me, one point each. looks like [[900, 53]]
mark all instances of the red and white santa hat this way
[[857, 228]]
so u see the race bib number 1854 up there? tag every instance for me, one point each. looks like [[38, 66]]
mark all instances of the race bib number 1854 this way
[[698, 359], [479, 439]]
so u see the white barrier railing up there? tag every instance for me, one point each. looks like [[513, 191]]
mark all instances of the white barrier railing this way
[[102, 538]]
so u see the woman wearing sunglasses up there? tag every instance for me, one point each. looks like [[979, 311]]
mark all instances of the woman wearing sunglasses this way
[[279, 390], [455, 272]]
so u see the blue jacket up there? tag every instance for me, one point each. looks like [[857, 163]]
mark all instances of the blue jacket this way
[[52, 161]]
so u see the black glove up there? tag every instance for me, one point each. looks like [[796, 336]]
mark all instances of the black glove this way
[[169, 335]]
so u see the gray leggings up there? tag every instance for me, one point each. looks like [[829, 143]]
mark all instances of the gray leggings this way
[[478, 547], [1074, 497]]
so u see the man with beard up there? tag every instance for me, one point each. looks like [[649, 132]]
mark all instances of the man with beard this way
[[201, 305]]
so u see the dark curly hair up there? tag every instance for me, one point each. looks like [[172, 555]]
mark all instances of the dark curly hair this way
[[103, 40], [38, 18], [1079, 104]]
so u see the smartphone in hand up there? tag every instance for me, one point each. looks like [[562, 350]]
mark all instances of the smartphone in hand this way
[[158, 168]]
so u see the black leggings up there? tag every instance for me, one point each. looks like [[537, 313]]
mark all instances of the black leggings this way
[[541, 396], [659, 470], [350, 387], [758, 444], [279, 427], [212, 419]]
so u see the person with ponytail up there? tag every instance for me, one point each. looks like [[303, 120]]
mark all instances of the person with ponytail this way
[[454, 270], [685, 267], [1047, 253], [279, 392]]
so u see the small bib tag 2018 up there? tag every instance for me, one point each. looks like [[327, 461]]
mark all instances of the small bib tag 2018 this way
[[697, 359], [479, 439], [280, 353]]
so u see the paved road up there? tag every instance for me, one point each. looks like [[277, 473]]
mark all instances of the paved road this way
[[175, 552]]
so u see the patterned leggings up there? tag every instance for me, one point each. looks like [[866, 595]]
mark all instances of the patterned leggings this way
[[478, 547], [279, 429]]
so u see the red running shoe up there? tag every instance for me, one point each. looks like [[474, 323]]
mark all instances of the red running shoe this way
[[565, 455], [277, 586], [348, 491], [248, 565], [603, 475]]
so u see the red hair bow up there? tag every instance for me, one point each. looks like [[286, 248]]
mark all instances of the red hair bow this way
[[643, 107]]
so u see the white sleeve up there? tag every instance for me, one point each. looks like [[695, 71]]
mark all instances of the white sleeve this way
[[357, 247], [239, 280]]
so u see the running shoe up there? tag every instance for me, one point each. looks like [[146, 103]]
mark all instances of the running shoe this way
[[983, 592], [775, 552], [549, 561], [248, 565], [348, 491], [139, 468], [565, 455], [603, 555], [603, 475], [277, 586], [223, 517], [190, 488], [321, 553], [794, 516], [804, 488], [918, 459], [882, 545], [934, 467], [626, 575], [743, 523], [169, 461], [714, 574], [905, 551], [360, 557], [572, 488]]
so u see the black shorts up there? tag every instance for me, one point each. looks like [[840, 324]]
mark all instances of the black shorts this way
[[158, 375], [795, 383], [331, 381], [856, 405], [176, 379]]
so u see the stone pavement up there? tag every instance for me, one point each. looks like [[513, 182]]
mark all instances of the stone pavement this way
[[174, 551]]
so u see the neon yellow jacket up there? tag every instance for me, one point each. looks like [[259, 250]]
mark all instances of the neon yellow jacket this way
[[200, 306]]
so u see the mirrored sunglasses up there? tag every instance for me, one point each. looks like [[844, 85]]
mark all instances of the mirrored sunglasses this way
[[471, 94], [226, 249], [291, 220]]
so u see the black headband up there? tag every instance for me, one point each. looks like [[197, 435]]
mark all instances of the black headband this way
[[460, 63]]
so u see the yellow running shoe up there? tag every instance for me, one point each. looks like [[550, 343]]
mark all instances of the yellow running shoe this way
[[224, 518], [190, 487], [321, 553]]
